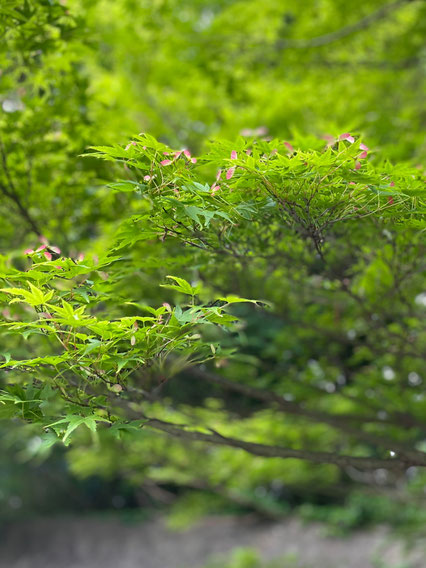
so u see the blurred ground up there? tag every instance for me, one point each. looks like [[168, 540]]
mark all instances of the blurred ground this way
[[110, 543]]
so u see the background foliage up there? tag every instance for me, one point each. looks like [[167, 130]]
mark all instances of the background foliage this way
[[328, 243]]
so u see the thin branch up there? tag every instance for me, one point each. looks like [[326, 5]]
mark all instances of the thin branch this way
[[346, 31], [345, 423], [269, 451], [10, 192]]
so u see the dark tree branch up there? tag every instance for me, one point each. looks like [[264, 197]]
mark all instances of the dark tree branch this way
[[346, 423], [269, 451], [346, 31], [9, 191]]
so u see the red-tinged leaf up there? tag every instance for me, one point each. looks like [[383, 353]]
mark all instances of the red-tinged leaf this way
[[230, 173], [348, 137], [46, 315], [328, 138]]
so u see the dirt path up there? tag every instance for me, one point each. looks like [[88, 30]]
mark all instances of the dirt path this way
[[97, 543]]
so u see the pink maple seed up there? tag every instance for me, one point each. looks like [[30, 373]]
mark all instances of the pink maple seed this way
[[166, 162], [364, 147], [363, 155], [215, 188], [194, 160], [41, 248], [289, 147], [348, 137], [390, 200], [47, 255], [130, 144], [187, 153], [219, 173], [357, 165], [261, 131], [28, 251], [230, 173], [392, 183], [328, 138], [57, 250], [234, 155], [147, 178]]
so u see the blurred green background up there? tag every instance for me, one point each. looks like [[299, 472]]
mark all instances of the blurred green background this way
[[82, 73]]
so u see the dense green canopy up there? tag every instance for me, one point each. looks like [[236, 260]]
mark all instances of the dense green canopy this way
[[222, 208]]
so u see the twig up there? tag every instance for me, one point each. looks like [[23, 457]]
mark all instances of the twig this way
[[346, 31]]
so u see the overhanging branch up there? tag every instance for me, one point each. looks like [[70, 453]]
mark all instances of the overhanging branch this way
[[269, 451], [349, 424], [346, 31]]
